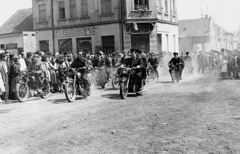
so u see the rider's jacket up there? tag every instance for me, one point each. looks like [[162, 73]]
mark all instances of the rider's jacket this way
[[130, 62], [176, 62], [79, 62], [38, 68], [153, 62]]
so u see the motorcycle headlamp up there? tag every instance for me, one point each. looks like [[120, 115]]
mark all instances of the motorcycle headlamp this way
[[78, 75], [125, 71]]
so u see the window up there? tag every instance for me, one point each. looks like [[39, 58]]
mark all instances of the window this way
[[72, 8], [160, 6], [174, 8], [61, 10], [84, 44], [141, 4], [141, 42], [167, 42], [42, 13], [84, 8], [44, 45], [106, 6], [166, 6], [65, 45], [108, 44]]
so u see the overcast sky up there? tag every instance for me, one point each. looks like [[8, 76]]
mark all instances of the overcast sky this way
[[224, 12]]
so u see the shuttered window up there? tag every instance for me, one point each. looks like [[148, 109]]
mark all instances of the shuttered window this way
[[42, 13], [61, 7], [72, 8], [106, 6], [84, 8]]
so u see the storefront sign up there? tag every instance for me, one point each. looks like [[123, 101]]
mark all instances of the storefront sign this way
[[11, 46], [81, 31]]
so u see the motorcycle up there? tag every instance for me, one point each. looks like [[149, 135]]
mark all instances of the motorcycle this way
[[101, 77], [127, 85], [175, 74], [76, 85], [27, 82]]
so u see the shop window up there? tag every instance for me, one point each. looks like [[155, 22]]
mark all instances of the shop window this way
[[65, 45], [61, 8], [44, 45], [42, 13], [72, 9], [108, 44], [141, 42], [84, 44], [84, 8], [106, 6], [141, 4]]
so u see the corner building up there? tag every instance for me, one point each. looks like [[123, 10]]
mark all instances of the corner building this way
[[107, 25]]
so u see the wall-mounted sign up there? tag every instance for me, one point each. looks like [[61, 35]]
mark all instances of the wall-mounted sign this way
[[11, 46], [81, 31]]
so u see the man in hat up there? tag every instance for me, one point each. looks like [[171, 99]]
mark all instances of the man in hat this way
[[28, 59], [37, 68], [200, 61], [134, 61], [81, 62], [177, 62]]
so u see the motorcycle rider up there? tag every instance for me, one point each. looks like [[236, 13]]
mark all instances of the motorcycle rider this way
[[37, 68], [104, 62], [81, 62], [137, 73], [176, 62]]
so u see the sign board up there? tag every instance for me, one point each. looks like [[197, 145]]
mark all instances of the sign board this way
[[80, 31], [11, 46]]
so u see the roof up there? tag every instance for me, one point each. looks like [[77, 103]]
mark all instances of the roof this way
[[21, 21], [194, 27]]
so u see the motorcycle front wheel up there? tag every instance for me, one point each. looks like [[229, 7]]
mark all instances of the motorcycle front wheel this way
[[22, 92], [115, 82], [70, 91], [123, 90]]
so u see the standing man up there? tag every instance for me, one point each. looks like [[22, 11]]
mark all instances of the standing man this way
[[200, 61], [4, 70]]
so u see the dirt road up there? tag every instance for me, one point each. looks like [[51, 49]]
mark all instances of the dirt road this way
[[200, 115]]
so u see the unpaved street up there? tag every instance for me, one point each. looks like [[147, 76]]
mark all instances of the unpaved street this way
[[200, 115]]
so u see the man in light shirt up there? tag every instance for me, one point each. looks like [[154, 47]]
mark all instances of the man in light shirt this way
[[23, 66]]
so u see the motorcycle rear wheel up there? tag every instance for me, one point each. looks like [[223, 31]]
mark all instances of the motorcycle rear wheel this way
[[19, 91], [123, 91], [70, 89]]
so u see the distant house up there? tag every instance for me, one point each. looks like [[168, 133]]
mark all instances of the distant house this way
[[17, 34], [204, 35]]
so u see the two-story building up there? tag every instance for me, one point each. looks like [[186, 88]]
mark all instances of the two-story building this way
[[108, 25], [205, 35]]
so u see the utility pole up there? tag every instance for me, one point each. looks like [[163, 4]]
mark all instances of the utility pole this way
[[53, 35]]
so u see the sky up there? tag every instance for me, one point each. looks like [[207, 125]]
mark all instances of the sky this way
[[225, 13], [9, 7]]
